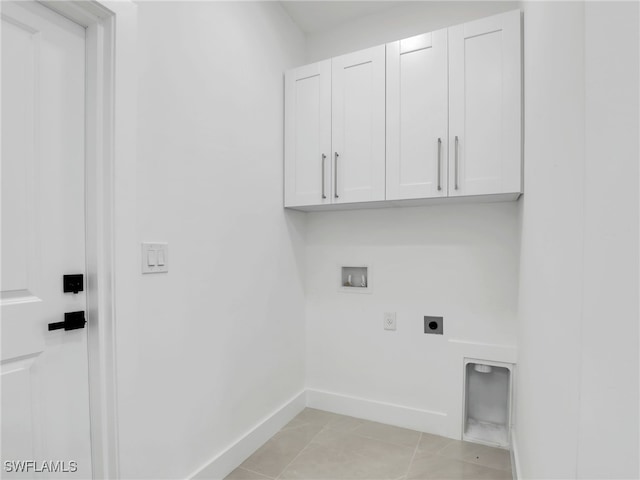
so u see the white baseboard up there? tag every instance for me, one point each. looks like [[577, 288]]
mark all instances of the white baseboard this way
[[226, 461], [515, 459], [389, 413]]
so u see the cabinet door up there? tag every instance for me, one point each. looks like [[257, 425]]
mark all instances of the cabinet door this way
[[358, 126], [417, 117], [485, 93], [307, 153]]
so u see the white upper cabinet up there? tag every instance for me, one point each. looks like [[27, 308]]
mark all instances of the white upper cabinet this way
[[358, 126], [335, 130], [417, 117], [308, 135], [431, 116], [485, 101]]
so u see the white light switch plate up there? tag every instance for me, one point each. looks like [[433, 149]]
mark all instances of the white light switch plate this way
[[155, 257]]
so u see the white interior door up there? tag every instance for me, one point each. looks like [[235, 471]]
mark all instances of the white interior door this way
[[417, 117], [358, 126], [485, 95], [308, 135], [45, 397]]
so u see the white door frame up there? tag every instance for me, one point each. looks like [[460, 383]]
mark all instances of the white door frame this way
[[110, 195]]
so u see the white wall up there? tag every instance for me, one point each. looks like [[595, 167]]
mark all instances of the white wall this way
[[577, 411], [459, 261], [405, 20], [577, 397], [551, 254], [609, 371], [218, 342]]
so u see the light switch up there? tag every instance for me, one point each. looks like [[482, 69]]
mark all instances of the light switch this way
[[151, 258], [155, 257]]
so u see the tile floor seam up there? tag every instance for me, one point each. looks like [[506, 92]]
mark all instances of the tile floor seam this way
[[472, 463], [383, 441], [295, 427], [299, 453], [253, 471], [437, 452], [415, 451]]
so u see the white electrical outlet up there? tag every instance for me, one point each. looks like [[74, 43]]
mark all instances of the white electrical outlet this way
[[390, 320]]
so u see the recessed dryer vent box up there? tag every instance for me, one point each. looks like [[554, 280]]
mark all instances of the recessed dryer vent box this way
[[355, 279]]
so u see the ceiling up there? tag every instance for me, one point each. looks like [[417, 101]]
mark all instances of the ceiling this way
[[317, 16]]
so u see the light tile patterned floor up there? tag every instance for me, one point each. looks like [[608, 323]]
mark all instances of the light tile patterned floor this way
[[325, 446]]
